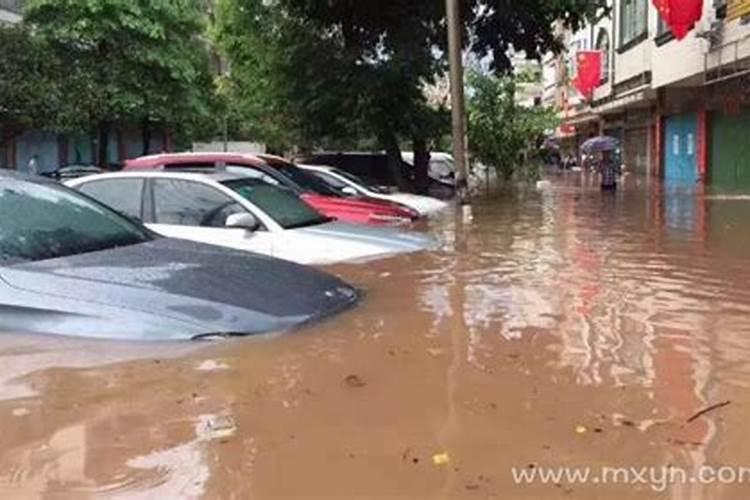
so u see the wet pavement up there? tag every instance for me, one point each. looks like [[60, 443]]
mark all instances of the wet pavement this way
[[561, 328]]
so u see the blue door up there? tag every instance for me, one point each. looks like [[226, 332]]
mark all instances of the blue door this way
[[680, 150]]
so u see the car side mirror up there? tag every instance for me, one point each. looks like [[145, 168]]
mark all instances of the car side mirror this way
[[349, 191], [243, 221]]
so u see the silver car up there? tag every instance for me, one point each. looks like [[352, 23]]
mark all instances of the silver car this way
[[72, 266]]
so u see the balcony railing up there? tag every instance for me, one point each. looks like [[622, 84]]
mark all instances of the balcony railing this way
[[12, 5]]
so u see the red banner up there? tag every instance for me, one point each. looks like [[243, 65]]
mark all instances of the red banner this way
[[680, 15], [589, 72]]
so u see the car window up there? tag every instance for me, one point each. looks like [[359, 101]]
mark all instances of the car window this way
[[272, 177], [252, 173], [308, 181], [282, 205], [187, 203], [332, 180], [361, 182], [48, 221], [124, 195]]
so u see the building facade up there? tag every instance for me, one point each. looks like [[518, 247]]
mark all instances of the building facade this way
[[10, 11], [680, 107]]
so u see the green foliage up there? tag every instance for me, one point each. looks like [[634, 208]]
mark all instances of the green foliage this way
[[144, 58], [318, 74], [38, 89], [503, 134]]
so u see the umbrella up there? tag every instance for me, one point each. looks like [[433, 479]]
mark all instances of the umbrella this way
[[599, 144]]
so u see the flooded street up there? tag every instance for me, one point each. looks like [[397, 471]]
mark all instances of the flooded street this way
[[561, 328]]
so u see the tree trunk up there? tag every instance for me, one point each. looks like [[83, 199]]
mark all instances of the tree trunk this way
[[421, 165], [102, 158], [146, 136], [395, 162]]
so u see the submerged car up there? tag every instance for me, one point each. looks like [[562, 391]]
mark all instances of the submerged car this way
[[277, 171], [352, 185], [334, 203], [69, 265], [236, 211]]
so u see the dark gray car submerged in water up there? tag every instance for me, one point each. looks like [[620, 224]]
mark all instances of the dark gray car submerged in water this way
[[71, 266]]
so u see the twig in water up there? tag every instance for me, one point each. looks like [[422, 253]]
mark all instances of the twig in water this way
[[708, 410]]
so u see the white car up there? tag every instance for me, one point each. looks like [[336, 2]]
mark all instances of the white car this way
[[245, 213], [352, 185], [442, 167]]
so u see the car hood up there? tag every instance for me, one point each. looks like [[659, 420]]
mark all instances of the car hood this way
[[423, 204], [378, 240], [173, 289]]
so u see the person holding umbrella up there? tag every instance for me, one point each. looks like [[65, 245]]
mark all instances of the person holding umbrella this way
[[603, 149]]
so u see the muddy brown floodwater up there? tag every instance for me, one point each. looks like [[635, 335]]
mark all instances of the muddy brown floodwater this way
[[554, 329]]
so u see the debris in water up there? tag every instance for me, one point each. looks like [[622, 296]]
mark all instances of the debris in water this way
[[441, 459], [216, 426], [355, 381], [21, 412], [211, 365], [708, 410]]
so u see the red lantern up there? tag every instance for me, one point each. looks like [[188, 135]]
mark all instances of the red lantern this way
[[589, 72], [680, 15]]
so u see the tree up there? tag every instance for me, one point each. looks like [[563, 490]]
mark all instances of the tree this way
[[358, 69], [502, 134], [37, 88], [145, 58]]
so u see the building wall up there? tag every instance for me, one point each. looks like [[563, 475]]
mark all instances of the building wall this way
[[633, 62], [684, 59]]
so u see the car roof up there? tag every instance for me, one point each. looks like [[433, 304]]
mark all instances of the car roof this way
[[23, 176], [155, 161], [320, 168], [209, 176]]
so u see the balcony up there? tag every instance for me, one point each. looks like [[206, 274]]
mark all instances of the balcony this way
[[15, 6]]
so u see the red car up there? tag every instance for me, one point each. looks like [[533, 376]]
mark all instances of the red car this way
[[278, 171]]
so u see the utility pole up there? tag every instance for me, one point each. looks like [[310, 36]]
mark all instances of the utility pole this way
[[458, 104]]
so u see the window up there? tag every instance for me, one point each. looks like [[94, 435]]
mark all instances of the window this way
[[187, 203], [252, 173], [361, 182], [47, 221], [124, 195], [307, 181], [662, 28], [633, 21], [332, 180], [282, 205]]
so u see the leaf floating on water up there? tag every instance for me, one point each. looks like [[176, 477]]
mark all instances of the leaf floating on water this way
[[355, 381]]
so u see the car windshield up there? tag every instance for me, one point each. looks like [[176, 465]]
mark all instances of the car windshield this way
[[46, 221], [358, 180], [308, 181], [282, 205]]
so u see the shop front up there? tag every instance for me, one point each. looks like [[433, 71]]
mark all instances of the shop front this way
[[730, 149]]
